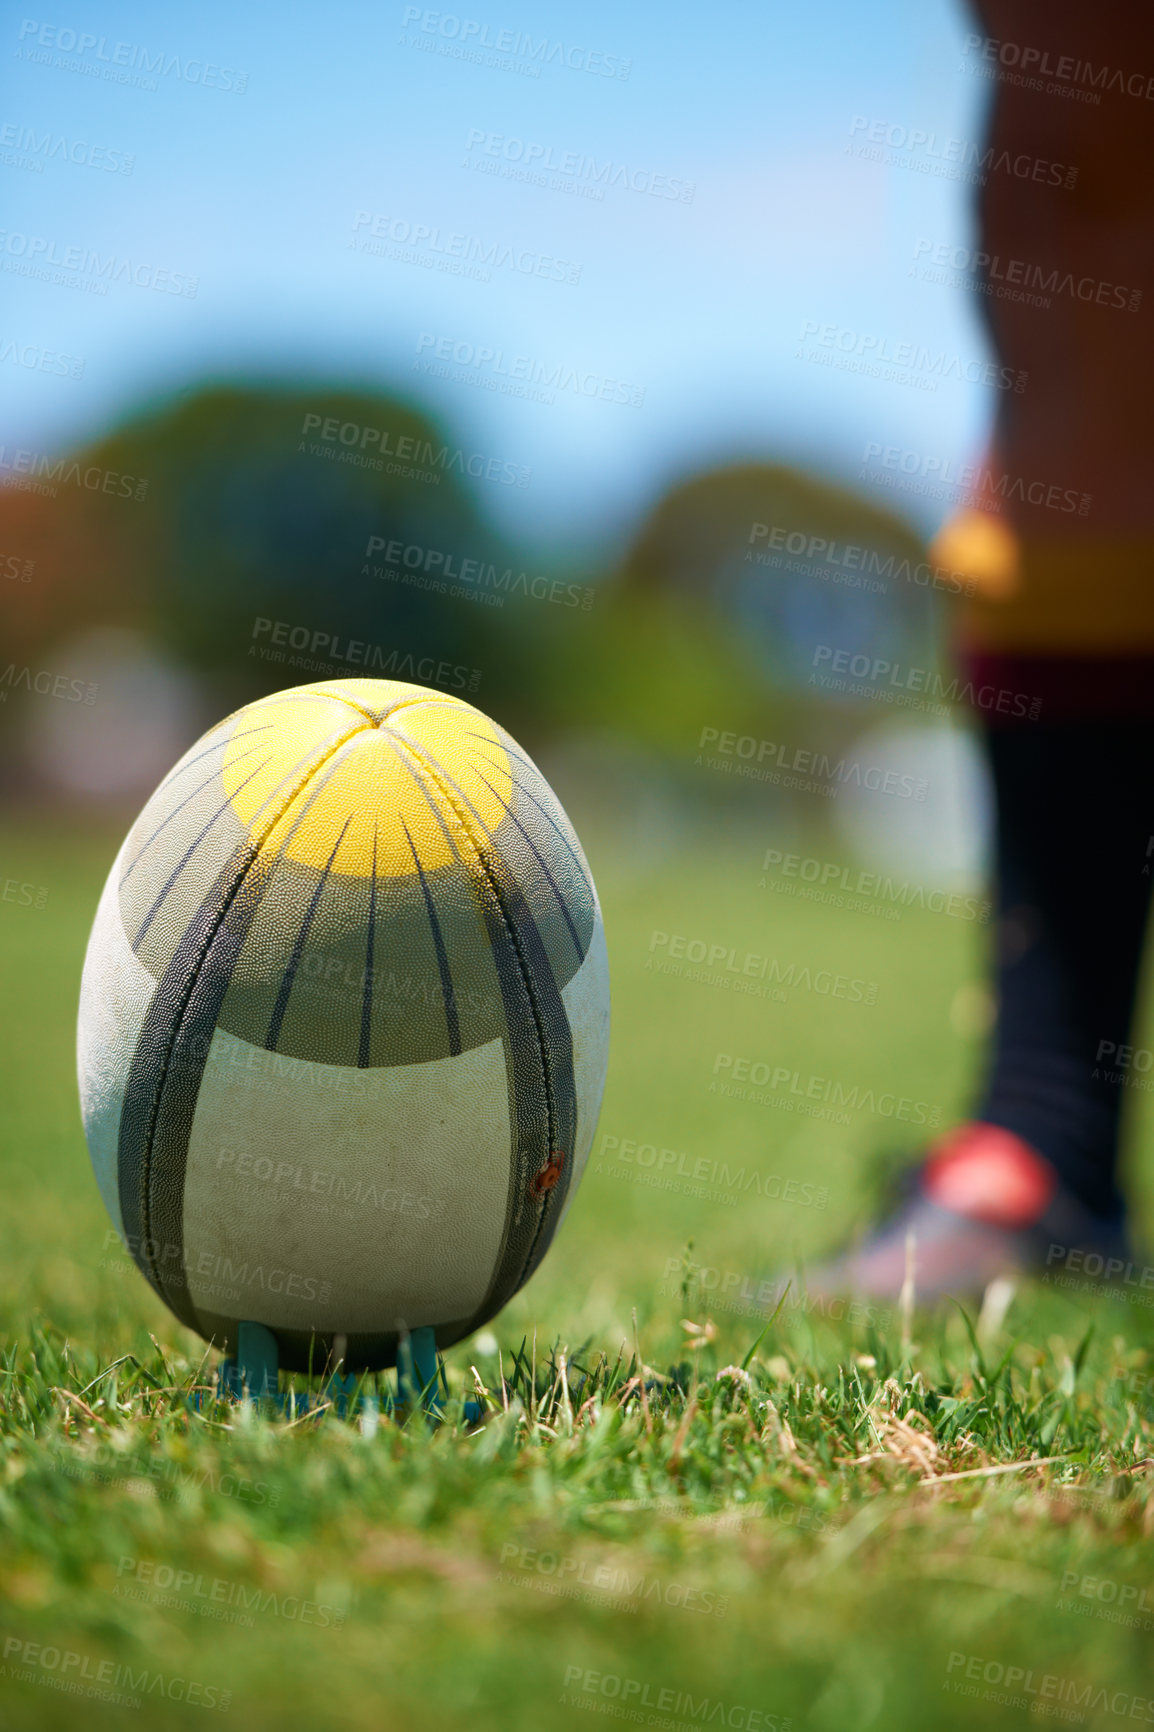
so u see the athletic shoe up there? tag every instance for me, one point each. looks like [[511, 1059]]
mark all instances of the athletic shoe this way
[[983, 1204]]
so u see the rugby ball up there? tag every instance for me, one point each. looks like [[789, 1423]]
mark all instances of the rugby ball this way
[[344, 1023]]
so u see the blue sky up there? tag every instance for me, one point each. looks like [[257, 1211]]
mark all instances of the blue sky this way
[[700, 304]]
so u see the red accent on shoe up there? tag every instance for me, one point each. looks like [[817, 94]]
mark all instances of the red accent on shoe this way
[[988, 1174]]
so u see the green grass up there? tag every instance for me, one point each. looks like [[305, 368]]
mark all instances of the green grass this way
[[764, 1539]]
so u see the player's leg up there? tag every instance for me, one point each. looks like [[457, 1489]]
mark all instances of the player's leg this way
[[1036, 1166], [1062, 547]]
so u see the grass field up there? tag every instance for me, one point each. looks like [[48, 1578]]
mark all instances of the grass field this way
[[760, 1530]]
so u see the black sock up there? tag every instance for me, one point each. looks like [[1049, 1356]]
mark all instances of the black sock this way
[[1075, 814]]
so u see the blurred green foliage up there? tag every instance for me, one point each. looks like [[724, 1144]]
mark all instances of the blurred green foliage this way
[[352, 524]]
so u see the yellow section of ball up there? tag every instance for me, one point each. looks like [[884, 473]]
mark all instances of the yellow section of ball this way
[[387, 775]]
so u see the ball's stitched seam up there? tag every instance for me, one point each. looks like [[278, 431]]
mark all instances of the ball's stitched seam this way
[[194, 973], [522, 967]]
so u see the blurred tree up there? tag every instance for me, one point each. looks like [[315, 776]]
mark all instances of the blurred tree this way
[[238, 505], [265, 536], [791, 562]]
